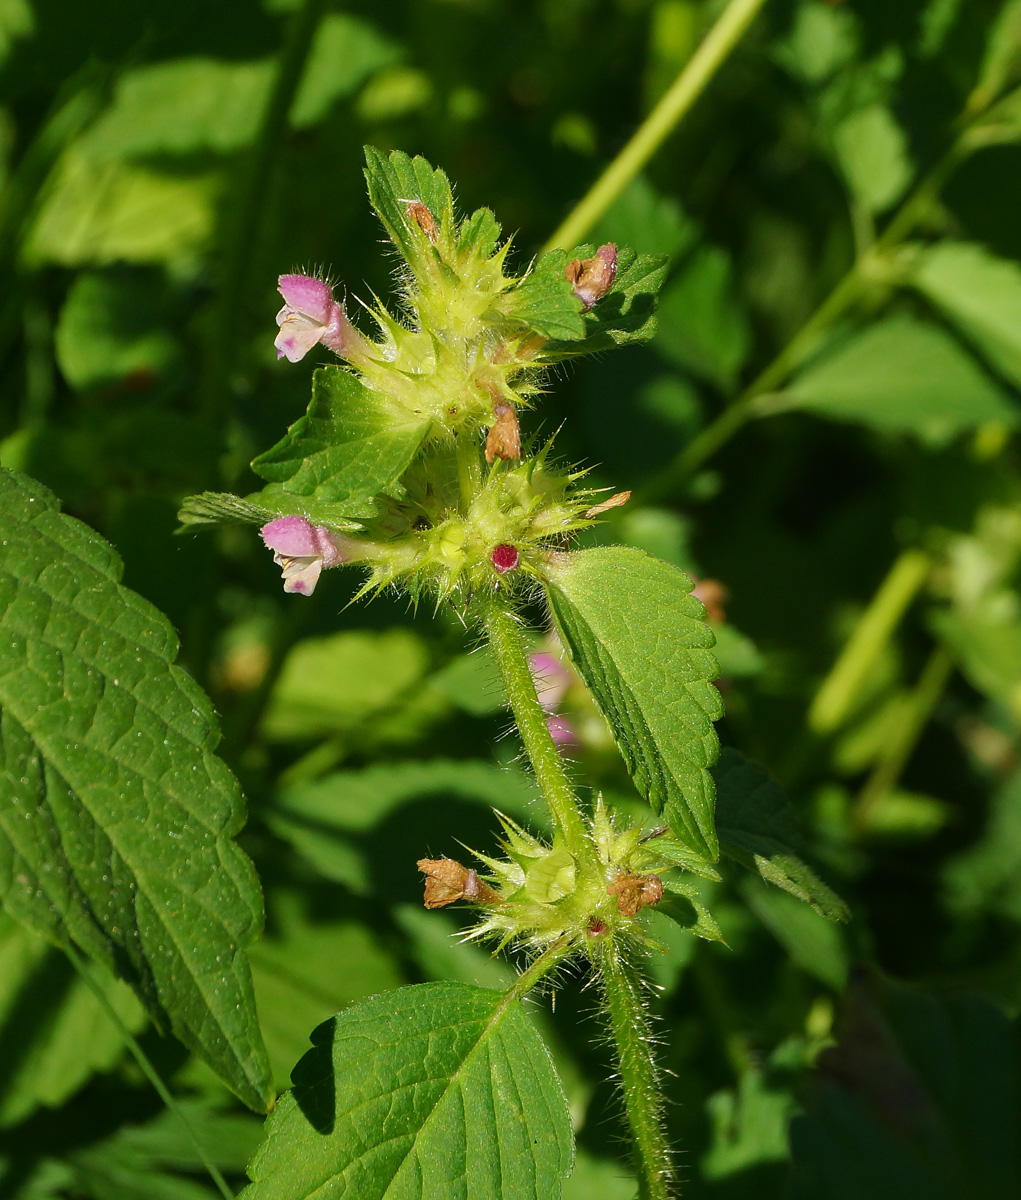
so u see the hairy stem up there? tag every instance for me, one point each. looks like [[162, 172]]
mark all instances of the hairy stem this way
[[148, 1070], [840, 688], [650, 135], [509, 648], [639, 1075], [903, 737]]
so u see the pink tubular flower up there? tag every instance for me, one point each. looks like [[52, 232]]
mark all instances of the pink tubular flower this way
[[310, 315], [301, 550]]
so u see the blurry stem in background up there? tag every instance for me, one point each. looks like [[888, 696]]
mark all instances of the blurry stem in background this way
[[148, 1070], [650, 135], [242, 217], [904, 735], [639, 1076], [504, 633], [868, 270], [835, 698]]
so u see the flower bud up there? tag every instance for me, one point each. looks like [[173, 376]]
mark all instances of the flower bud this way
[[592, 278]]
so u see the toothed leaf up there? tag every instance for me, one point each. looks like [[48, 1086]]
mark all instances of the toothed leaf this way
[[641, 643], [352, 444], [426, 1093]]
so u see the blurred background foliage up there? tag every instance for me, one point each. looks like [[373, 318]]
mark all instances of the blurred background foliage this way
[[856, 528]]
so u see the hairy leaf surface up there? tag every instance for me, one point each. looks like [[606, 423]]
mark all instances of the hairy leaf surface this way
[[426, 1093], [351, 444], [641, 643], [116, 817]]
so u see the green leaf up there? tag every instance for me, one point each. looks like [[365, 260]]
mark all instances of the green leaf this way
[[54, 1033], [394, 180], [986, 878], [872, 150], [1002, 61], [425, 1093], [352, 444], [701, 325], [545, 300], [987, 647], [682, 903], [813, 942], [111, 212], [473, 683], [182, 106], [904, 376], [116, 817], [627, 313], [336, 683], [981, 294], [111, 326], [305, 970], [917, 1101], [221, 508], [758, 828], [325, 820], [640, 642], [345, 51]]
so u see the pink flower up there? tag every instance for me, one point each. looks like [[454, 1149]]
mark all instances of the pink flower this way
[[310, 315], [301, 550], [564, 735], [592, 278]]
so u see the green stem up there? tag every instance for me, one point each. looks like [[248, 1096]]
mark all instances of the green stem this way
[[840, 688], [904, 735], [148, 1070], [540, 967], [639, 1075], [245, 213], [508, 645], [650, 135], [870, 267]]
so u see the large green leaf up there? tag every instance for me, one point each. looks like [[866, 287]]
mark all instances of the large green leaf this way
[[902, 375], [981, 294], [758, 828], [425, 1093], [351, 444], [641, 644], [116, 817]]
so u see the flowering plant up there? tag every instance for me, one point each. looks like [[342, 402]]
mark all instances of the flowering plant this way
[[415, 463]]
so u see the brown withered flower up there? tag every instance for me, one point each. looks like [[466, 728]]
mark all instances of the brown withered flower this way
[[504, 437], [423, 218], [635, 891], [592, 278], [613, 502], [447, 881]]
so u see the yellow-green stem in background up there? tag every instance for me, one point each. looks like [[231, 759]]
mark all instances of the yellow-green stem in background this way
[[650, 135]]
